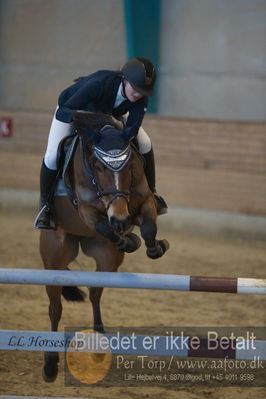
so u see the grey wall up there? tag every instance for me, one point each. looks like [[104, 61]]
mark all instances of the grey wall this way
[[44, 44], [212, 53], [213, 59]]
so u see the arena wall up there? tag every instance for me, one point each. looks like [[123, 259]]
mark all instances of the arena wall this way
[[45, 45], [213, 59], [211, 165], [212, 53]]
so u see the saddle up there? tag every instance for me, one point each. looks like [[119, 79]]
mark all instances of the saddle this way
[[65, 154]]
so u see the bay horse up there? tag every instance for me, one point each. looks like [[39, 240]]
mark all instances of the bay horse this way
[[111, 196]]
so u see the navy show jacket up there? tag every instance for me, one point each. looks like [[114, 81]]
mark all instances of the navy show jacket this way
[[97, 92]]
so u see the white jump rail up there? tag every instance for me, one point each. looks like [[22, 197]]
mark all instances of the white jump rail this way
[[133, 280]]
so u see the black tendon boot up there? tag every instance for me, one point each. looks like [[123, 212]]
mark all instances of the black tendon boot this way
[[47, 180], [150, 176]]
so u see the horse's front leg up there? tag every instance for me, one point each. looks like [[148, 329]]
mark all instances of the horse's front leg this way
[[129, 242], [148, 228], [108, 259]]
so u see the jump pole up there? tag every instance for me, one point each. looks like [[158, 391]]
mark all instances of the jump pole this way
[[133, 280]]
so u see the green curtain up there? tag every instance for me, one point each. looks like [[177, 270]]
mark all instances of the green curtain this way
[[142, 23]]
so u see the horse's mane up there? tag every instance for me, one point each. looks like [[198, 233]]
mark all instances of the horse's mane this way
[[95, 120]]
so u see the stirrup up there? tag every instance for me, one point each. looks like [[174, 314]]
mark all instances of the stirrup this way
[[161, 204], [43, 219]]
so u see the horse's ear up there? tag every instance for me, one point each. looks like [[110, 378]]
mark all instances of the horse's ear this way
[[80, 120], [81, 126], [92, 135], [131, 131]]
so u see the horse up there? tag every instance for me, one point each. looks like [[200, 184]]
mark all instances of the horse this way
[[108, 196]]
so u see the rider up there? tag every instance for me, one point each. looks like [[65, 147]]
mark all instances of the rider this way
[[112, 92]]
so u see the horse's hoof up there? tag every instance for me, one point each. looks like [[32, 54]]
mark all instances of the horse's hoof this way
[[50, 368], [129, 243], [99, 328], [154, 253], [133, 242], [49, 376], [164, 245], [159, 250]]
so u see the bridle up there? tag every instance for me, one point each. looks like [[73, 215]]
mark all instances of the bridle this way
[[114, 160]]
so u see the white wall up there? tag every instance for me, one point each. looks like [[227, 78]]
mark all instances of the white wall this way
[[213, 59], [46, 44], [213, 53]]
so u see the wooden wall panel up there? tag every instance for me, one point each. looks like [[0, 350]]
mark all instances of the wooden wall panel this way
[[200, 164]]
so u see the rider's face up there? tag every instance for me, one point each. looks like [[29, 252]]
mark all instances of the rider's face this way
[[131, 93]]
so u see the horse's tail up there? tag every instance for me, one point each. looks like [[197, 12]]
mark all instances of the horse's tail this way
[[73, 294]]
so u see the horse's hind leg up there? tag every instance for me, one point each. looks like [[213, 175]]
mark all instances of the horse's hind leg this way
[[95, 297], [108, 259], [57, 250], [51, 359]]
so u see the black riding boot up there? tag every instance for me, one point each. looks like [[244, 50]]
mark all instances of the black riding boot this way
[[150, 176], [47, 181]]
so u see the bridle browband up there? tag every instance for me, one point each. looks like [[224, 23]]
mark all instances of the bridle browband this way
[[114, 160]]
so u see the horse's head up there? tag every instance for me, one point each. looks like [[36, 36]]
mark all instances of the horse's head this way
[[107, 156]]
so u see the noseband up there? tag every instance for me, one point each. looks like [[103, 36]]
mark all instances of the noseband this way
[[114, 160]]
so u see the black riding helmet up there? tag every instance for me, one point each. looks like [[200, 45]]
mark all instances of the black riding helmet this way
[[141, 74]]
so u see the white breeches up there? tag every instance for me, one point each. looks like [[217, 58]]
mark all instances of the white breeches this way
[[144, 141], [59, 130]]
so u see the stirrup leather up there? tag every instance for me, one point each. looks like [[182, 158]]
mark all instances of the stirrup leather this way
[[43, 219], [161, 204]]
